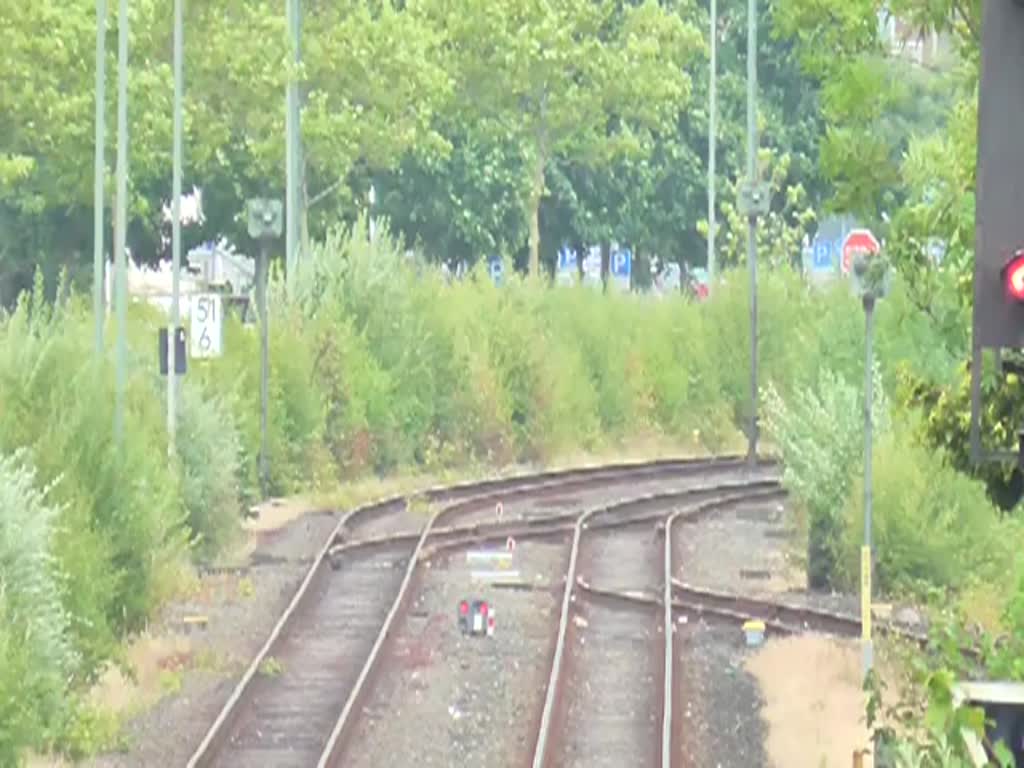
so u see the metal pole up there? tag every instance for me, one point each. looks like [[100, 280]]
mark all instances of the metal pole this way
[[98, 173], [291, 147], [179, 83], [865, 561], [712, 128], [752, 218], [261, 300], [121, 220]]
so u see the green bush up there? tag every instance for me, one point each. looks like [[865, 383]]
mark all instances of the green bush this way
[[820, 433], [209, 448], [121, 519], [36, 656], [932, 525]]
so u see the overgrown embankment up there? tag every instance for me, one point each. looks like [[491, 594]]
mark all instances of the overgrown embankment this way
[[380, 366]]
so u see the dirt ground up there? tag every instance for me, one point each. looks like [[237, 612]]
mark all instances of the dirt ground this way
[[813, 702]]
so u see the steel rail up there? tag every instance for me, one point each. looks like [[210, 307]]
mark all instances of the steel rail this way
[[204, 752], [667, 585], [541, 482], [456, 536], [755, 490], [684, 607], [767, 609], [558, 483], [332, 749]]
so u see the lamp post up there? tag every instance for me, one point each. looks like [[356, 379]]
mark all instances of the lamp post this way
[[179, 85], [265, 225], [871, 278], [121, 221], [293, 143], [99, 169], [753, 202], [712, 128]]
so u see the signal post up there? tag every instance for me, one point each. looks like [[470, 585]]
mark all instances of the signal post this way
[[998, 321]]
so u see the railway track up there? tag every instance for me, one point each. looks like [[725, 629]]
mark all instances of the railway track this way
[[396, 712], [296, 701], [611, 671]]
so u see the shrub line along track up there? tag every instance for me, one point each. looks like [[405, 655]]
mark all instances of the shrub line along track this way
[[297, 714]]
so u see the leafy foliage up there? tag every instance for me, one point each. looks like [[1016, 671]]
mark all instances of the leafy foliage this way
[[820, 436], [36, 653], [209, 449]]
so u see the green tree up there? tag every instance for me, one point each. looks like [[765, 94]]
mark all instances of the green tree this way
[[570, 80]]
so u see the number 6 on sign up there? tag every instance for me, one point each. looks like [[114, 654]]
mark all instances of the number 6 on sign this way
[[207, 329]]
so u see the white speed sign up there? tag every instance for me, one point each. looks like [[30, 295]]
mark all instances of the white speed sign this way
[[207, 327]]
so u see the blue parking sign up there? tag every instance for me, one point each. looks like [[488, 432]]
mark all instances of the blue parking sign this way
[[622, 263], [822, 255], [497, 270], [621, 267]]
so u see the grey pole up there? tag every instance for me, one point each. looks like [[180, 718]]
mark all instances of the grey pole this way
[[121, 220], [261, 300], [292, 147], [869, 332], [752, 218], [179, 86], [712, 127], [98, 172]]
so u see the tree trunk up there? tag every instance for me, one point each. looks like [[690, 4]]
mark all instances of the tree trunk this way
[[536, 192]]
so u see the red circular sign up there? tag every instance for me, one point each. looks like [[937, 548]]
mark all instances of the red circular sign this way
[[858, 241]]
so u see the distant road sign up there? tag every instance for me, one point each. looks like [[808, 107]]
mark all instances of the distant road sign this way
[[207, 317], [822, 256], [858, 241], [497, 270], [621, 267]]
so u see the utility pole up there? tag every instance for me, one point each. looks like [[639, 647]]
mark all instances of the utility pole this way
[[871, 280], [99, 170], [712, 128], [172, 333], [121, 221], [869, 364], [261, 299], [293, 141], [264, 224], [756, 203]]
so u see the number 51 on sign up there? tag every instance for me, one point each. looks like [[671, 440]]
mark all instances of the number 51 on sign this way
[[207, 334]]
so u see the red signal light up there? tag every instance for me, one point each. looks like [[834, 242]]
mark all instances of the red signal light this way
[[1013, 276]]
